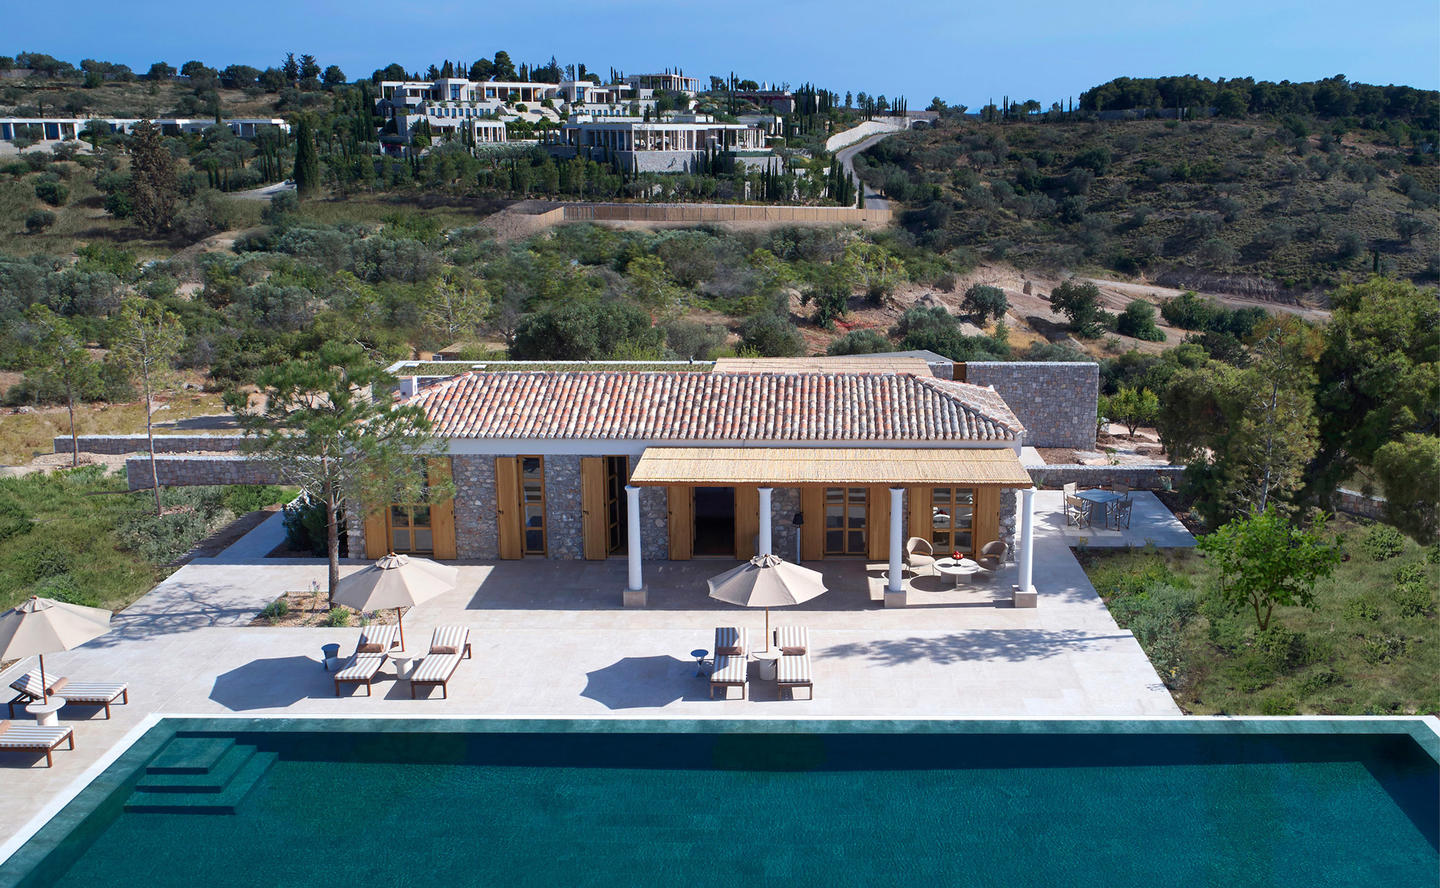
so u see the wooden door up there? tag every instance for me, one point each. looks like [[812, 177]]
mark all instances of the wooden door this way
[[594, 528], [987, 516], [878, 526], [681, 502], [812, 532], [377, 542], [442, 514], [920, 513], [507, 507], [747, 522]]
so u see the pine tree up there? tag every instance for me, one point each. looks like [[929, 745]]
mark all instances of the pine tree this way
[[307, 160], [154, 189]]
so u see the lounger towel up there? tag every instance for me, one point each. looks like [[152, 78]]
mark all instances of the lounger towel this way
[[378, 639], [730, 641], [361, 669], [729, 672], [41, 739], [794, 672], [435, 669], [85, 693], [792, 639], [451, 640]]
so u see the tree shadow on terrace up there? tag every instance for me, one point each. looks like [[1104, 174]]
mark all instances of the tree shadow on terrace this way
[[1012, 645]]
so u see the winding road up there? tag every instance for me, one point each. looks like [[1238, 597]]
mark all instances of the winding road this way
[[846, 156]]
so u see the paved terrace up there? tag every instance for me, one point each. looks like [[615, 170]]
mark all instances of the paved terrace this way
[[550, 639]]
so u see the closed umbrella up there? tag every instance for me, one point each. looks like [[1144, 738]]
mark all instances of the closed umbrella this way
[[41, 626], [767, 581], [396, 581]]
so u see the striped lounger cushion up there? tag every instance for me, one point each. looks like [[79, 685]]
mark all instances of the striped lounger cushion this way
[[729, 672], [792, 639], [730, 641], [435, 669], [377, 640], [794, 672], [86, 693], [362, 667], [450, 640], [14, 736]]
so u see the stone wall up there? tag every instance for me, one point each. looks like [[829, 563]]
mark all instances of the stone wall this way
[[1009, 520], [784, 503], [565, 530], [1137, 477], [476, 535], [654, 524], [1353, 502], [175, 470], [117, 444], [1056, 402]]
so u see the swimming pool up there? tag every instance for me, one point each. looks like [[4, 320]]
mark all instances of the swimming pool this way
[[243, 802]]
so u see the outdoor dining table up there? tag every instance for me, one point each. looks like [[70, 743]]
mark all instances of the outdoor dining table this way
[[1102, 498]]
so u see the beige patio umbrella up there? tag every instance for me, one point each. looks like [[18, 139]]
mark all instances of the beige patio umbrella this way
[[396, 581], [767, 581], [42, 626]]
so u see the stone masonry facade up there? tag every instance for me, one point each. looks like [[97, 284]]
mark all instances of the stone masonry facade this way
[[175, 470], [476, 536], [1056, 402]]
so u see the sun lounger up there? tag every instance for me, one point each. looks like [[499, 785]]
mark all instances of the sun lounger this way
[[729, 673], [730, 641], [370, 654], [36, 738], [451, 640], [435, 671], [359, 669], [794, 672], [85, 693], [792, 639]]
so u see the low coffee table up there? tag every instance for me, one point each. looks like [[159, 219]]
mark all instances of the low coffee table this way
[[47, 714], [957, 569]]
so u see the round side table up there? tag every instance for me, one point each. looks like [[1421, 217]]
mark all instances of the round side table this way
[[404, 663], [767, 660], [47, 714]]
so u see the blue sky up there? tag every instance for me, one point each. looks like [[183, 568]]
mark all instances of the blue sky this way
[[965, 53]]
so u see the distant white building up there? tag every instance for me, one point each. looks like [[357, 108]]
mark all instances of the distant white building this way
[[672, 144], [670, 82], [63, 129]]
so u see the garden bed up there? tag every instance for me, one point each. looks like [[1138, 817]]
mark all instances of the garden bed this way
[[310, 608]]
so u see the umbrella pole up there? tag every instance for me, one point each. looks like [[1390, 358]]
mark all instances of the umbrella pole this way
[[767, 630], [44, 691], [400, 618]]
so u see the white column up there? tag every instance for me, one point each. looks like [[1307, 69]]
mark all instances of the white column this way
[[762, 547], [896, 588], [1025, 590], [635, 589]]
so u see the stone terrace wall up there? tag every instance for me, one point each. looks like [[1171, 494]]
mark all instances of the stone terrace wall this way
[[1137, 477], [116, 444], [1056, 402], [176, 470], [1354, 502]]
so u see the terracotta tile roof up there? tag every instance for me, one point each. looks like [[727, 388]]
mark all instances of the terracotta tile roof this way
[[677, 406]]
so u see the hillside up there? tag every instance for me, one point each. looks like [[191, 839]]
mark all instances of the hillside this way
[[1249, 207]]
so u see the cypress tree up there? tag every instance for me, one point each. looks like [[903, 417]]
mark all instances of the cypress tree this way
[[307, 160]]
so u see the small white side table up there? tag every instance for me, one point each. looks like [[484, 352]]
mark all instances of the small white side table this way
[[957, 569], [47, 714], [766, 661], [404, 663]]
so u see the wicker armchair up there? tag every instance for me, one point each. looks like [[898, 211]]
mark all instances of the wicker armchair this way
[[919, 553], [992, 555]]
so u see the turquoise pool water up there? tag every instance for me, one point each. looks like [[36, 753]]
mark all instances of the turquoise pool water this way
[[341, 803]]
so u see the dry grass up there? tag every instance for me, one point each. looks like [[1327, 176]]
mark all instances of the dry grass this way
[[23, 436]]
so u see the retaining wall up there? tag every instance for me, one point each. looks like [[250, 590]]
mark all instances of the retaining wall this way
[[1353, 502], [115, 444], [1137, 477], [698, 213], [1056, 402], [175, 470]]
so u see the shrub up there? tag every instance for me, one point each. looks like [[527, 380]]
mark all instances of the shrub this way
[[1278, 704], [40, 560], [14, 520], [983, 301], [276, 609], [859, 342], [1138, 320], [53, 193], [1361, 609], [338, 616], [39, 220], [1382, 647], [1414, 599], [244, 498], [1281, 648], [1382, 542], [305, 526], [771, 336]]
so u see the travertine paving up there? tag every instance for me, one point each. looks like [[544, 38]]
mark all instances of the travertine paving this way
[[550, 639]]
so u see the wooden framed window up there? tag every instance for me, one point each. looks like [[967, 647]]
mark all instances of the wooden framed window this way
[[846, 514], [952, 520], [532, 503], [408, 526]]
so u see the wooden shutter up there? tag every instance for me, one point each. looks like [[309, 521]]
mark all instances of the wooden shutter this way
[[682, 522], [747, 521], [877, 527], [442, 514], [377, 540], [507, 506], [812, 533], [592, 507], [921, 506], [987, 516]]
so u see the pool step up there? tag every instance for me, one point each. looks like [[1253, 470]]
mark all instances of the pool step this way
[[189, 755], [214, 780], [218, 791]]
